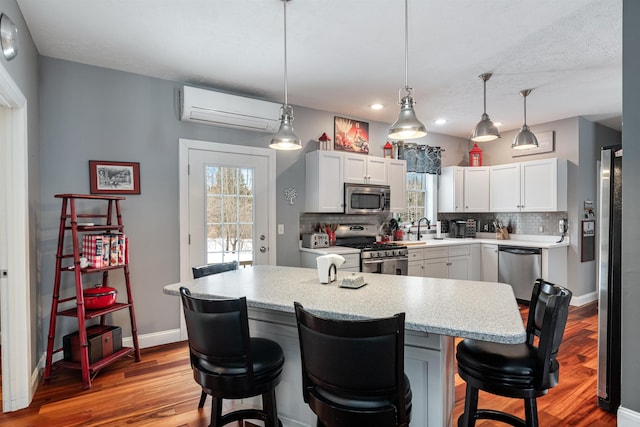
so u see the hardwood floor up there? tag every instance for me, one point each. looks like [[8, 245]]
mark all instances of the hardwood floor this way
[[160, 391]]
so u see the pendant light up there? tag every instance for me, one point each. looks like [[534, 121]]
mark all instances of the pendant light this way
[[407, 126], [485, 130], [285, 139], [525, 138]]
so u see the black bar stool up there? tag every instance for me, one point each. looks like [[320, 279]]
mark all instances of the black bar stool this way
[[522, 371], [215, 268], [208, 270], [227, 363], [353, 371]]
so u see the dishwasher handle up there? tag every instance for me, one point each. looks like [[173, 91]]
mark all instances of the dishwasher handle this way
[[519, 251]]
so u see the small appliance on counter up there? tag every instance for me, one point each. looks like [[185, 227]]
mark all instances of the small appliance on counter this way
[[458, 228], [470, 228], [315, 240], [328, 267]]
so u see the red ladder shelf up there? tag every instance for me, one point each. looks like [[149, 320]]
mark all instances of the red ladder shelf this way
[[70, 262]]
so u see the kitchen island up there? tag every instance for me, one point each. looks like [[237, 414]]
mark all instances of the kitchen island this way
[[436, 311]]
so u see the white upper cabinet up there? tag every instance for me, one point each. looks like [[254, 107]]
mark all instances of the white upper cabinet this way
[[476, 189], [451, 189], [535, 186], [505, 188], [463, 189], [325, 182], [361, 169], [397, 180], [543, 186]]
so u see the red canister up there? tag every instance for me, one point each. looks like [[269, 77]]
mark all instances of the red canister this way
[[99, 297]]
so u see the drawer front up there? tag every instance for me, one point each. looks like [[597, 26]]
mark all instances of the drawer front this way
[[459, 250], [416, 254], [430, 253]]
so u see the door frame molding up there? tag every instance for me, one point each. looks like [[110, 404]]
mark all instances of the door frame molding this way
[[184, 145], [17, 386]]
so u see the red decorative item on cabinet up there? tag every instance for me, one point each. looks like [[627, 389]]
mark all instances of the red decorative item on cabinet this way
[[388, 150], [475, 156]]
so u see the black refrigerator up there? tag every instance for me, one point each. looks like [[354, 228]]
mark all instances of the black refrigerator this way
[[609, 277]]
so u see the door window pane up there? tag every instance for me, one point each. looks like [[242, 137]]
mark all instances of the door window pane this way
[[230, 213]]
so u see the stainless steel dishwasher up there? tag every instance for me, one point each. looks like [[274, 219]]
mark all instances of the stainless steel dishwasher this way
[[519, 267]]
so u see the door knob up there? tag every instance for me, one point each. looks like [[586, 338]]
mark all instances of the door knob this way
[[263, 249]]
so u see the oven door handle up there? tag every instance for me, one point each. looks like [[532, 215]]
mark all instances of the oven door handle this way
[[373, 261]]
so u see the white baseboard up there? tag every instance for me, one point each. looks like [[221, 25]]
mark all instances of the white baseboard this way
[[584, 299], [154, 339], [628, 418], [145, 341]]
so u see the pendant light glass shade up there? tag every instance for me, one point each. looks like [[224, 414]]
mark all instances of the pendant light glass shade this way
[[485, 130], [525, 138], [285, 139], [407, 126]]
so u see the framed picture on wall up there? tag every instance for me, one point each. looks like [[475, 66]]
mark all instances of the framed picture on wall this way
[[351, 135], [546, 144], [108, 177]]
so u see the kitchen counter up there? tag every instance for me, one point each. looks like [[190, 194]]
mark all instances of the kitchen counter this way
[[480, 310], [436, 311], [523, 240]]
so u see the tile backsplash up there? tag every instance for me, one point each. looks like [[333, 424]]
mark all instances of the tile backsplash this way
[[541, 223]]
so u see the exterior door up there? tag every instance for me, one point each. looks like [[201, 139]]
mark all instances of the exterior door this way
[[228, 208]]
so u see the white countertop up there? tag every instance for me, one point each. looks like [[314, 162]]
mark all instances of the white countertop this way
[[479, 310]]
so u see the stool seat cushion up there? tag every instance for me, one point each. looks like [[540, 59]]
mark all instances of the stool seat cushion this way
[[266, 355], [512, 365], [364, 402]]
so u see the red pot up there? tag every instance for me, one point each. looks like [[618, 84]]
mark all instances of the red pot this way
[[99, 297]]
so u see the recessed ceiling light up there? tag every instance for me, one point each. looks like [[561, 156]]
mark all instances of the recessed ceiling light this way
[[376, 106], [440, 121]]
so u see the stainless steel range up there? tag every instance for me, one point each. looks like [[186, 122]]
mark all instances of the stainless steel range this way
[[375, 257]]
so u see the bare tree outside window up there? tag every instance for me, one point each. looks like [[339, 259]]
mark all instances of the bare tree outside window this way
[[230, 205]]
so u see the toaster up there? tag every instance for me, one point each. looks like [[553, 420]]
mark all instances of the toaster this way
[[315, 240]]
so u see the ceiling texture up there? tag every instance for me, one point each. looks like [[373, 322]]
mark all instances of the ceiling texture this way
[[344, 55]]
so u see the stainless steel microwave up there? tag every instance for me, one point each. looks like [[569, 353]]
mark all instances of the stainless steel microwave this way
[[366, 198]]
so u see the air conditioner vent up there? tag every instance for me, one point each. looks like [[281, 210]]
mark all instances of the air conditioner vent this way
[[222, 109]]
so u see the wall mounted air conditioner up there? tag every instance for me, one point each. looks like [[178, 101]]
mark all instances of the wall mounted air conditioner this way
[[222, 109]]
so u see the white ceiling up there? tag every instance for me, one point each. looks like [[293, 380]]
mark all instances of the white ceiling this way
[[344, 55]]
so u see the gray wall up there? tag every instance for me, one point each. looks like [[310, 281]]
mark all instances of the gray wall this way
[[91, 113], [631, 206], [24, 72]]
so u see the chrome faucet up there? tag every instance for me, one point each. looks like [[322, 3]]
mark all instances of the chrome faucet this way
[[428, 226]]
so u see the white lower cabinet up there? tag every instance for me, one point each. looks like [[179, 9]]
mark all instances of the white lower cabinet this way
[[489, 263], [452, 262], [416, 262]]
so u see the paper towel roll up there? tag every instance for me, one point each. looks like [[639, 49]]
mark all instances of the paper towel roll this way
[[438, 230]]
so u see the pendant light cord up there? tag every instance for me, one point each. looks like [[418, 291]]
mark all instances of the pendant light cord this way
[[525, 109], [406, 45], [484, 82], [286, 100]]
